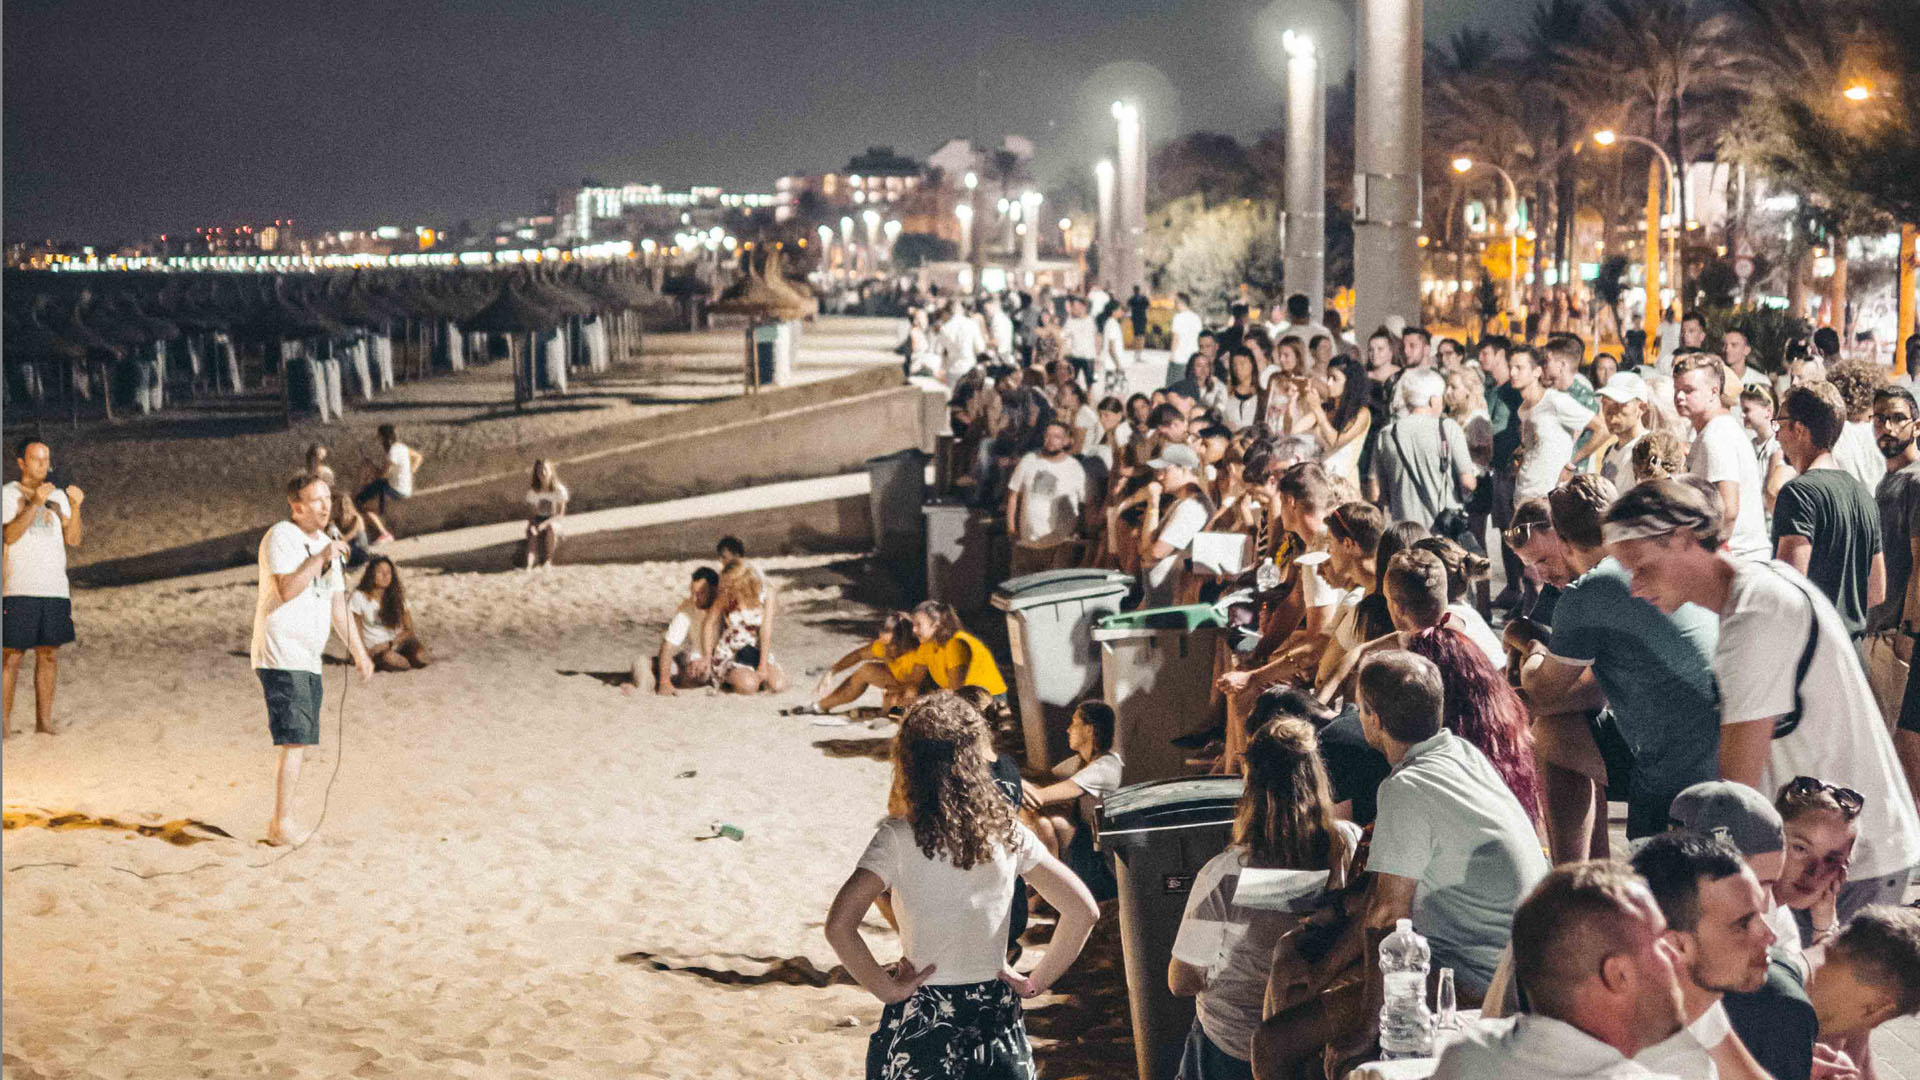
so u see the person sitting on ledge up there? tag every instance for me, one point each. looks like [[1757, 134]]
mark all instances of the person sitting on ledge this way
[[1093, 770], [895, 663]]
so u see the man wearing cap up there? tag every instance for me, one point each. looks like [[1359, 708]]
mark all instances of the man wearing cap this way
[[1623, 406], [1773, 1019], [1164, 540]]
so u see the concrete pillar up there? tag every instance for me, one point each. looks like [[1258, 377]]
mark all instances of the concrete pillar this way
[[1304, 248], [1130, 196], [1103, 226], [1386, 232]]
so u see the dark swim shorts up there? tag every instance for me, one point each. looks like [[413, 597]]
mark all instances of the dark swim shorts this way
[[293, 705]]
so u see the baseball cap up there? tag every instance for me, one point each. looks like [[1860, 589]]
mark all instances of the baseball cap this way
[[1176, 455], [1750, 821], [1626, 386]]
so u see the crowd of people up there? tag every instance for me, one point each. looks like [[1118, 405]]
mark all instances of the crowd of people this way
[[1708, 614]]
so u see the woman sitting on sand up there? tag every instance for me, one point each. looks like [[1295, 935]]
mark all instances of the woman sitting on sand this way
[[950, 859], [895, 664], [352, 527], [386, 626], [546, 505], [739, 633], [954, 658], [1224, 951]]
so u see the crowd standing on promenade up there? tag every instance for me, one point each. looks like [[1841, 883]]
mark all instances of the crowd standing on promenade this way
[[1709, 614]]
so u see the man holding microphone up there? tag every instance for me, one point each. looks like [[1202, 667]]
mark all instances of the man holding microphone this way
[[303, 594]]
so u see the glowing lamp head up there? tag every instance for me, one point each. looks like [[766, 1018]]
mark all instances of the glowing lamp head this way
[[1857, 92], [1103, 170], [1605, 137], [1066, 224], [971, 180], [1462, 164], [963, 212], [1300, 46], [872, 218]]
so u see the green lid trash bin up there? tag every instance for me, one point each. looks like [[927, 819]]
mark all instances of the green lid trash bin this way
[[1156, 670], [1158, 835], [1050, 619]]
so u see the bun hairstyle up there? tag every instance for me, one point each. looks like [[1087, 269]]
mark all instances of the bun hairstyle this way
[[1285, 816], [1463, 566]]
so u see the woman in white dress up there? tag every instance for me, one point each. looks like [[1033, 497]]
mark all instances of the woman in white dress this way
[[546, 505]]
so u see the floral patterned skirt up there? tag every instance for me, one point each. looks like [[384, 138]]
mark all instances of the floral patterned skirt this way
[[973, 1031]]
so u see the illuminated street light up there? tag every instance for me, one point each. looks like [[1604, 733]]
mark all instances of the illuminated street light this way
[[971, 181], [1462, 165], [1465, 165], [1304, 226], [1103, 222], [1859, 91], [1605, 137], [1608, 137]]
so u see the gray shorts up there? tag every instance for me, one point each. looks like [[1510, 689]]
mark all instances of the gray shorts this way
[[293, 705]]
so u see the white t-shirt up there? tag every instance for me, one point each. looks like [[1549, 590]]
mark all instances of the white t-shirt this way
[[1618, 466], [1091, 433], [1532, 1046], [1318, 590], [1841, 738], [291, 636], [1052, 494], [1184, 522], [1098, 778], [953, 919], [1097, 301], [679, 629], [1722, 452], [366, 610], [547, 503], [1547, 434], [1471, 624], [401, 478], [1082, 336], [1234, 945], [1857, 454], [1113, 344], [36, 564], [961, 344], [1186, 335]]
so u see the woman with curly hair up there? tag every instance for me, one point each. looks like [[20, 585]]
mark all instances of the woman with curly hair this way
[[739, 633], [1223, 953], [950, 855], [379, 605]]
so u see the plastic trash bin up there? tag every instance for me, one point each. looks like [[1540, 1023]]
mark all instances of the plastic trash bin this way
[[898, 485], [1156, 668], [1158, 835], [965, 554], [1050, 619]]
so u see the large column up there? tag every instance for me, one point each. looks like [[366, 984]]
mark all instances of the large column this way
[[1386, 231], [1103, 225], [1130, 196], [1304, 248]]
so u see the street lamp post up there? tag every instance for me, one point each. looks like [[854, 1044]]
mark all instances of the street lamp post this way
[[1386, 230], [1103, 224], [1651, 320], [1464, 165], [968, 249], [1303, 244], [1030, 238], [964, 212], [1131, 197]]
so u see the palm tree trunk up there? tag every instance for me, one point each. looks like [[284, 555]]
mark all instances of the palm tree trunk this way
[[1837, 291]]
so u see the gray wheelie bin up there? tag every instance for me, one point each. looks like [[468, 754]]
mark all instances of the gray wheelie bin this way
[[1158, 835], [1050, 621], [964, 556], [898, 488], [1156, 670]]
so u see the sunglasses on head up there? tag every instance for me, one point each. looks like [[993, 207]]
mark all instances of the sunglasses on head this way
[[1520, 533], [1848, 800]]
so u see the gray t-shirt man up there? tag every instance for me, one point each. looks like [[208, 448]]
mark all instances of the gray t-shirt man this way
[[1447, 821]]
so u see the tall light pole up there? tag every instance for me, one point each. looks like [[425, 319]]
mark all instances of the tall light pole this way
[[969, 250], [1130, 184], [1103, 225], [1464, 165], [872, 220], [964, 212], [1030, 237], [1386, 219], [1651, 317], [1303, 240]]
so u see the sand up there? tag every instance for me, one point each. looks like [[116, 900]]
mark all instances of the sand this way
[[504, 826]]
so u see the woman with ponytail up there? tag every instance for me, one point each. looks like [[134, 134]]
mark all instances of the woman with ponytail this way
[[1223, 953]]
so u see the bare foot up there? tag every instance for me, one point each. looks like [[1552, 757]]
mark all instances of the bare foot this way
[[384, 538], [285, 833]]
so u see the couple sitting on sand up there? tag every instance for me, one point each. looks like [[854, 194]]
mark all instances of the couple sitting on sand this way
[[722, 635], [913, 654]]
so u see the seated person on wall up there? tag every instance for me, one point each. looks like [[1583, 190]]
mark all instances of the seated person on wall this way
[[892, 663], [1452, 850], [953, 657], [679, 664], [1093, 770], [1045, 497], [1224, 951]]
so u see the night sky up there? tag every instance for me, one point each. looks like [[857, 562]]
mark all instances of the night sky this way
[[127, 117]]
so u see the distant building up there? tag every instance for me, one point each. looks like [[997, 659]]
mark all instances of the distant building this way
[[596, 212]]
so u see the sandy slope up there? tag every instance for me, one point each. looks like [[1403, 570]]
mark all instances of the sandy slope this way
[[501, 831]]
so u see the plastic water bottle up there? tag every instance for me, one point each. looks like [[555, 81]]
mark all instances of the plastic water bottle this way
[[1406, 1024], [1266, 576]]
